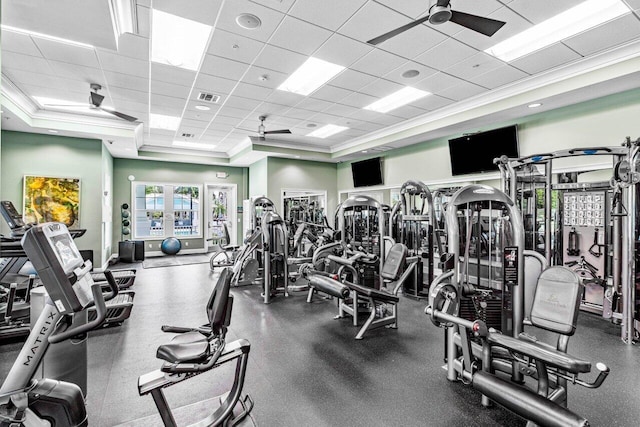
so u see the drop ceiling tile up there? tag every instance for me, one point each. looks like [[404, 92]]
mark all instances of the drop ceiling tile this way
[[367, 126], [133, 46], [234, 46], [381, 88], [169, 74], [247, 90], [408, 112], [270, 19], [167, 101], [541, 10], [166, 109], [19, 43], [259, 76], [412, 8], [358, 100], [432, 102], [300, 114], [19, 77], [515, 23], [352, 80], [122, 64], [396, 75], [342, 50], [204, 11], [214, 134], [169, 89], [475, 65], [195, 131], [446, 54], [223, 67], [331, 93], [330, 14], [278, 59], [279, 5], [193, 124], [56, 93], [213, 84], [67, 53], [545, 59], [412, 43], [242, 103], [268, 108], [340, 110], [221, 119], [605, 36], [216, 126], [378, 63], [299, 36], [437, 82], [283, 98], [313, 104], [203, 116], [238, 113], [133, 108], [498, 77], [462, 91], [139, 96], [325, 118], [70, 71], [365, 23], [126, 81], [19, 61]]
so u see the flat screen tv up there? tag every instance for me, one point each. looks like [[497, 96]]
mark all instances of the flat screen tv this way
[[367, 172], [475, 153]]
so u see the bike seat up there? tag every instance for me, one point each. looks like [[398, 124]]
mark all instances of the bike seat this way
[[189, 347]]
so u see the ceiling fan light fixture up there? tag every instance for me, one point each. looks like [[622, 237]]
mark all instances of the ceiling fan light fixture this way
[[327, 131], [580, 18], [310, 76], [439, 14], [397, 99], [185, 51]]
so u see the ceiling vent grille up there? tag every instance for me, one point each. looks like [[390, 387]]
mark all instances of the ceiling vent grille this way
[[187, 135], [208, 97]]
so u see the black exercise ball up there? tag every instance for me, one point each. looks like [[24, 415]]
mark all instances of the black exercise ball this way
[[125, 206]]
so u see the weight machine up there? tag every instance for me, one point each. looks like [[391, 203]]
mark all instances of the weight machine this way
[[275, 241], [413, 218], [589, 227], [361, 222]]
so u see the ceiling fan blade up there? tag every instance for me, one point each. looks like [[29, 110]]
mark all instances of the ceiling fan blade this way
[[486, 26], [399, 30], [277, 131], [96, 99], [443, 3], [120, 115]]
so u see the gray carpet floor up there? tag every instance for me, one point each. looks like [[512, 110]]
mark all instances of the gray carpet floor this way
[[175, 260], [305, 368]]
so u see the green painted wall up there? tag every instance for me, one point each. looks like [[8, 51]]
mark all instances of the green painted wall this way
[[602, 122], [49, 155], [258, 176], [302, 175], [168, 172]]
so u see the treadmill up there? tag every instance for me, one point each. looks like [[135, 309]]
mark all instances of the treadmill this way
[[118, 309]]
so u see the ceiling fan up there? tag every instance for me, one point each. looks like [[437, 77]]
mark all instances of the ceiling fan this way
[[262, 132], [440, 13], [95, 102]]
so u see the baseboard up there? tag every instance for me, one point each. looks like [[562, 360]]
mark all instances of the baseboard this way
[[182, 252], [104, 266]]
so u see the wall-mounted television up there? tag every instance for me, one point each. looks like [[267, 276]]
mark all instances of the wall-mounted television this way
[[475, 153], [367, 172]]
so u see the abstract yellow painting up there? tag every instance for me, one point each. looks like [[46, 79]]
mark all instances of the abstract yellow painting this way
[[48, 199]]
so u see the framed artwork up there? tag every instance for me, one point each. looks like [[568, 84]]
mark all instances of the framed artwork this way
[[51, 199]]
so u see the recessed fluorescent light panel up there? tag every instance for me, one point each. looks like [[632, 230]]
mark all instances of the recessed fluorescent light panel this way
[[177, 41], [310, 76], [327, 131], [193, 145], [586, 15], [46, 37], [160, 121], [397, 99]]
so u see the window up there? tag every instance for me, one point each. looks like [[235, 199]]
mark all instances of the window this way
[[166, 210]]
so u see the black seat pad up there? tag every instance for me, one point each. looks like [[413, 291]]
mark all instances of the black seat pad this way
[[373, 293], [328, 286], [547, 354], [189, 347]]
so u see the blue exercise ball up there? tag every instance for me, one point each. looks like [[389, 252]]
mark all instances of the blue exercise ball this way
[[171, 246]]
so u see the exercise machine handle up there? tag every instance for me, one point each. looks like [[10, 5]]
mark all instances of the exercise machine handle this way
[[478, 327], [101, 314], [112, 284]]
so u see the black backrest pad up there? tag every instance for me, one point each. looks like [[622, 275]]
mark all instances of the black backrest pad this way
[[217, 305], [557, 300], [394, 263]]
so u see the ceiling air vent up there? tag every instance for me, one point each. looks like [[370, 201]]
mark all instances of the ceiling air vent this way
[[187, 135], [208, 97]]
